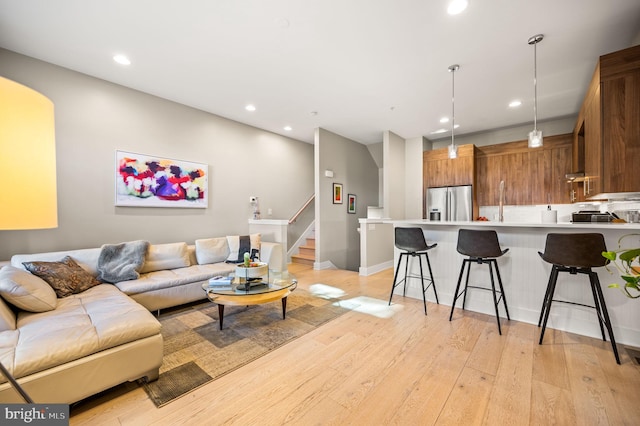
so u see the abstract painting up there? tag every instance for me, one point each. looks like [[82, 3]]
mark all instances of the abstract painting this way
[[151, 181]]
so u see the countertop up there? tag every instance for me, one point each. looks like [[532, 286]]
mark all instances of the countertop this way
[[493, 224]]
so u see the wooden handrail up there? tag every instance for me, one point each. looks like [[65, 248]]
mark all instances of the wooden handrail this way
[[299, 212]]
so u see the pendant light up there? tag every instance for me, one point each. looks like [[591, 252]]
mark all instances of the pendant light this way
[[535, 136], [453, 149]]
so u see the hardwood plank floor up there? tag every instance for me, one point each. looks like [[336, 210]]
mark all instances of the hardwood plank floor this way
[[397, 366]]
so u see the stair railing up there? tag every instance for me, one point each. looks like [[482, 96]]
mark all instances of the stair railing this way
[[299, 212]]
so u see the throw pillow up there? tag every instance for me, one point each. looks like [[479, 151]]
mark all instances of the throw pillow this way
[[66, 277], [166, 256], [212, 250], [239, 245], [26, 291]]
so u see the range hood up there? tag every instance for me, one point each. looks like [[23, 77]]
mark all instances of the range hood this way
[[618, 196], [575, 177]]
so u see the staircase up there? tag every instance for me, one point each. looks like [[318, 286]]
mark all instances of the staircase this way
[[307, 254]]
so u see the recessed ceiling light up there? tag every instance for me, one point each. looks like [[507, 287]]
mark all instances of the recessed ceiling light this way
[[457, 6], [435, 132], [250, 107], [515, 103], [444, 120], [122, 60], [288, 128]]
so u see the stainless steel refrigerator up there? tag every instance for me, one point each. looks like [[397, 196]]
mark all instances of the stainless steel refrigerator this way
[[450, 203]]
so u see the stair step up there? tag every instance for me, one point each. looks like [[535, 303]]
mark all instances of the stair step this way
[[303, 259], [311, 242], [307, 251]]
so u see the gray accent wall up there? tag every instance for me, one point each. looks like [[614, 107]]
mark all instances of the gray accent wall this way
[[337, 236], [94, 118]]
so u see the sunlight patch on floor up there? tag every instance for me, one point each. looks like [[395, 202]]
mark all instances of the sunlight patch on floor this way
[[326, 291], [368, 305]]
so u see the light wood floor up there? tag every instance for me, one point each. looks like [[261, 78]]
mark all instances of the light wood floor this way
[[406, 369]]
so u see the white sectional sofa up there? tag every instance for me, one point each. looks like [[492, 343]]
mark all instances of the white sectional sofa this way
[[62, 350]]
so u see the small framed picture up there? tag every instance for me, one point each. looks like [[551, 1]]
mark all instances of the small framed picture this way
[[337, 193], [351, 203]]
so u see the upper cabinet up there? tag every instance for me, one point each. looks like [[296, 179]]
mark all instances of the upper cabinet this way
[[440, 170], [606, 140], [531, 175]]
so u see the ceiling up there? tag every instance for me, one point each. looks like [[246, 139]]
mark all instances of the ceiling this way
[[353, 67]]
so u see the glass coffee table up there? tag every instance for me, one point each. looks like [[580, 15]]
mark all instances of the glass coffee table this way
[[270, 288]]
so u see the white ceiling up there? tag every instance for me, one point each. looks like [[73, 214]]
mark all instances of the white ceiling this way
[[364, 66]]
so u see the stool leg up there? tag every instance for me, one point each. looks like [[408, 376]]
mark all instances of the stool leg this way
[[406, 276], [433, 283], [550, 300], [596, 303], [504, 297], [493, 293], [545, 301], [424, 296], [607, 321], [455, 293], [466, 283], [395, 277]]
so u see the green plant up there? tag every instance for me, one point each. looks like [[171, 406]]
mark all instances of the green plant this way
[[627, 262]]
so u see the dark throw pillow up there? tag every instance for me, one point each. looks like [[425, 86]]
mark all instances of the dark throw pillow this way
[[65, 277]]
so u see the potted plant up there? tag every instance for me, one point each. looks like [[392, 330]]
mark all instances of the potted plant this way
[[627, 262]]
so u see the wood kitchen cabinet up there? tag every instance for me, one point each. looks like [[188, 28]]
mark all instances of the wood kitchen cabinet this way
[[606, 142], [531, 175], [440, 170]]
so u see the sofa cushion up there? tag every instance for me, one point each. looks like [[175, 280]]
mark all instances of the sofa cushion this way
[[87, 258], [167, 278], [7, 317], [212, 250], [166, 256], [82, 324], [26, 291], [66, 277], [239, 245]]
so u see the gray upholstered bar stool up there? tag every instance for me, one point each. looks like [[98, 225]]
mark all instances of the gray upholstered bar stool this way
[[412, 241], [577, 254], [482, 247]]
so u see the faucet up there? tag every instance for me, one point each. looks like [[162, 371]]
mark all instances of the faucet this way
[[501, 203]]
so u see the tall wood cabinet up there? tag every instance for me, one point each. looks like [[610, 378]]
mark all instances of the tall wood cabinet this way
[[440, 170], [606, 142]]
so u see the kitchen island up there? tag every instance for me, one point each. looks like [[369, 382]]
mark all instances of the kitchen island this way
[[525, 276]]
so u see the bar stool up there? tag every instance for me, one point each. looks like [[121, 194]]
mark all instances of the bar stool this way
[[482, 247], [576, 254], [412, 241]]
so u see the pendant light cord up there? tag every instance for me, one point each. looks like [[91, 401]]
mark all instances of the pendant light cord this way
[[535, 86], [453, 102]]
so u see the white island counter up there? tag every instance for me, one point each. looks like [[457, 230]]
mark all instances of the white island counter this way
[[525, 275]]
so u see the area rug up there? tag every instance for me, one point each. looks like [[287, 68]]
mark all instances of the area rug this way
[[196, 351]]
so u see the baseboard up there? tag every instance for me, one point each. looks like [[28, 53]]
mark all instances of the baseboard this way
[[374, 269]]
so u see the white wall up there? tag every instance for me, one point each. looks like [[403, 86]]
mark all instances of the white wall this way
[[414, 176], [337, 237], [95, 118], [394, 175]]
